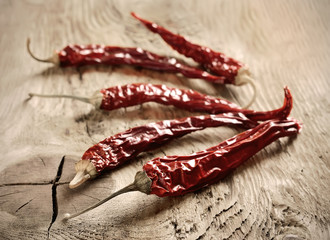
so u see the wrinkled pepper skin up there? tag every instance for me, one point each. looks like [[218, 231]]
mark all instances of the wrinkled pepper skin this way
[[83, 55], [214, 62], [178, 175], [190, 100], [118, 149]]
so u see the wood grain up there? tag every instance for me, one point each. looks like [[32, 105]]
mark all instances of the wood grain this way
[[281, 193]]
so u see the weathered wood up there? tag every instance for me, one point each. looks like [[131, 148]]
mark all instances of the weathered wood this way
[[281, 193]]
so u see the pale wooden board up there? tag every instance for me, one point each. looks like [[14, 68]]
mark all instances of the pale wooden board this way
[[281, 193]]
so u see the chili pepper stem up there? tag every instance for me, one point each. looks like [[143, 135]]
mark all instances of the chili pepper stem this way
[[95, 100], [83, 99], [85, 170], [141, 183], [53, 59], [243, 77]]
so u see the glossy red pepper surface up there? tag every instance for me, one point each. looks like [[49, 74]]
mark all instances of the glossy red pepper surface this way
[[177, 175], [216, 63], [81, 55], [121, 147], [190, 100]]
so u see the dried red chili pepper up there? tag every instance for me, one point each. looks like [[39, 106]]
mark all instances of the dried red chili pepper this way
[[94, 54], [178, 175], [134, 94], [122, 147], [230, 70]]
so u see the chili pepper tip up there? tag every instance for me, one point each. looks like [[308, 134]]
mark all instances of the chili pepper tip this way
[[134, 15]]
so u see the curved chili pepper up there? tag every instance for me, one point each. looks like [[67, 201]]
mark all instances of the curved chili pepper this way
[[215, 62], [120, 148], [178, 175], [190, 100], [94, 54], [229, 70]]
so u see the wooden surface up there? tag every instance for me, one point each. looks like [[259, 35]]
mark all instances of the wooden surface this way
[[281, 193]]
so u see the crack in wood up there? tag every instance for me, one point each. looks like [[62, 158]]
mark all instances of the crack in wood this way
[[177, 231], [87, 130], [250, 230], [10, 194], [90, 196], [267, 233], [54, 194], [108, 188], [214, 218], [23, 205], [238, 228], [33, 183], [43, 162], [75, 209], [26, 184]]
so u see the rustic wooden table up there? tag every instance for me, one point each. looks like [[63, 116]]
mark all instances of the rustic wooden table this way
[[281, 193]]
